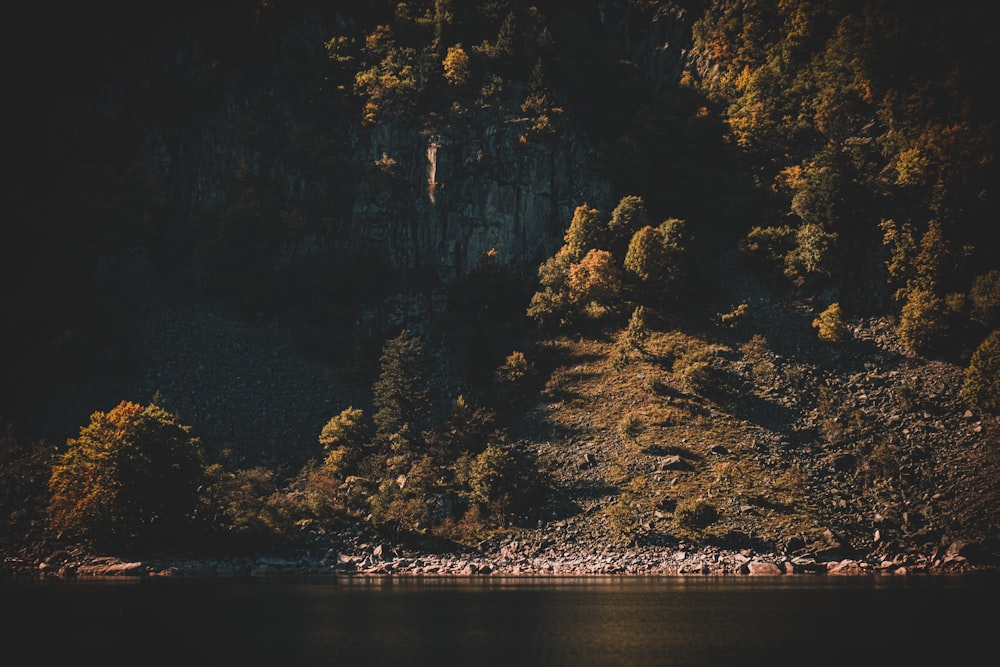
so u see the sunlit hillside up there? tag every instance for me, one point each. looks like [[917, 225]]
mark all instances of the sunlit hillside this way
[[282, 273]]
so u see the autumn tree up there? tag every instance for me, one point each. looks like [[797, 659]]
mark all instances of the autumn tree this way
[[131, 475], [595, 282], [457, 70], [830, 325]]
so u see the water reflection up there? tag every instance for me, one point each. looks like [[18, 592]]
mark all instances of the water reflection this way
[[578, 622]]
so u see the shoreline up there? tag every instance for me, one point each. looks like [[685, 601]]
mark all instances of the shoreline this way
[[378, 562]]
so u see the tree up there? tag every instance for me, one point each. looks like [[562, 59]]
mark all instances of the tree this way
[[456, 66], [985, 298], [400, 395], [628, 217], [586, 232], [923, 322], [830, 324], [131, 475], [594, 282], [637, 332], [645, 258], [342, 438], [655, 255], [981, 386]]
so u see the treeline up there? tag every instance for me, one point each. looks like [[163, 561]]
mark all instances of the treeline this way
[[868, 124], [135, 477]]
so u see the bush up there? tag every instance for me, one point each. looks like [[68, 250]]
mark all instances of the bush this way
[[245, 508], [830, 324], [981, 387], [695, 514], [131, 475], [628, 217], [503, 482], [985, 298], [701, 370], [923, 322]]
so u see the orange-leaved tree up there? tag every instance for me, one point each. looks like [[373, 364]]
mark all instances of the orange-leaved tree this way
[[130, 477]]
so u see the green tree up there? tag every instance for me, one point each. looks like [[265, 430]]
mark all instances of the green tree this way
[[586, 232], [131, 475], [923, 322], [628, 217], [646, 258], [985, 298], [655, 256], [981, 385], [342, 438], [400, 394]]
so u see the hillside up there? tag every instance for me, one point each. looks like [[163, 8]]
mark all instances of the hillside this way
[[850, 452], [453, 276]]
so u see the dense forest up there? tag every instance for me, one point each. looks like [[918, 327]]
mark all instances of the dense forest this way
[[711, 270]]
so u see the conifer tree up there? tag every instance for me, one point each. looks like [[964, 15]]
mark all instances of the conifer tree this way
[[628, 217], [400, 395], [586, 232]]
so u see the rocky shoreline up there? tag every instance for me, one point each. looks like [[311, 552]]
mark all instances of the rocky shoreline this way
[[510, 558]]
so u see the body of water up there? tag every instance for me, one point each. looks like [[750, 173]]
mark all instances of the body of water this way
[[513, 622]]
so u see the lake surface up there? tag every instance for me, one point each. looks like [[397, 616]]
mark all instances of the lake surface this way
[[573, 622]]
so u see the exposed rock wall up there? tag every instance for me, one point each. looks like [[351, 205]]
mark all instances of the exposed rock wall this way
[[441, 198]]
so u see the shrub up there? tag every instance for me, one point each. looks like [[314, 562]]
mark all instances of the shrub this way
[[830, 324], [734, 316], [637, 333], [404, 503], [701, 369], [645, 257], [245, 508], [655, 255], [981, 386], [501, 481], [514, 380], [551, 303], [923, 322], [985, 298], [131, 475], [812, 254], [695, 515], [625, 517], [630, 427]]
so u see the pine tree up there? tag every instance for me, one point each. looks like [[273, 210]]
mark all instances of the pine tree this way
[[400, 395]]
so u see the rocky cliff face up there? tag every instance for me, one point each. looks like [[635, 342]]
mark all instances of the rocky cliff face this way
[[430, 192], [437, 199]]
